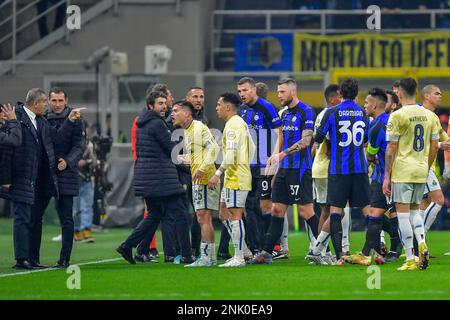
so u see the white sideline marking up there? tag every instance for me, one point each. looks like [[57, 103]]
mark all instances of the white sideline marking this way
[[236, 295], [53, 269]]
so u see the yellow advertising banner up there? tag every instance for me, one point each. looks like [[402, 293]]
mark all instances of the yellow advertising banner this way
[[371, 50]]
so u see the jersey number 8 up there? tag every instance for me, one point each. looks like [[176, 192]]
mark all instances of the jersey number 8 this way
[[356, 135], [419, 143]]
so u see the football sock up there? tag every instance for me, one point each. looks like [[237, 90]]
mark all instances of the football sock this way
[[346, 220], [395, 241], [406, 233], [224, 239], [373, 235], [238, 237], [273, 234], [205, 250], [387, 227], [285, 234], [227, 225], [415, 246], [321, 242], [417, 224], [430, 215], [212, 251], [336, 233], [267, 218]]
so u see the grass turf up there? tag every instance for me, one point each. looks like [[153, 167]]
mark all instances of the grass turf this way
[[285, 279]]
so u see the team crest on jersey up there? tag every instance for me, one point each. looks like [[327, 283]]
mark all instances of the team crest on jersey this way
[[294, 119], [231, 135], [256, 118]]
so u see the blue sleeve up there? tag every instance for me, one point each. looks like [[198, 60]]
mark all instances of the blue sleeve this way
[[273, 119], [309, 119], [373, 136]]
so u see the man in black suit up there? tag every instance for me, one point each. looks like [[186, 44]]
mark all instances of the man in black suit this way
[[33, 167], [67, 155]]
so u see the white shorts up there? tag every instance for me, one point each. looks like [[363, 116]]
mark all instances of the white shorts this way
[[320, 189], [411, 193], [234, 198], [205, 198], [432, 183]]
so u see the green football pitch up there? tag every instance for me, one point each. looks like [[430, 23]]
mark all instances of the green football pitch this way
[[104, 275]]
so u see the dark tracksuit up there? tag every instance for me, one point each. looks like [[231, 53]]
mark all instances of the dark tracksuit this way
[[156, 180]]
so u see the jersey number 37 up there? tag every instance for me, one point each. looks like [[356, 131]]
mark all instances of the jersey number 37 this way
[[355, 135]]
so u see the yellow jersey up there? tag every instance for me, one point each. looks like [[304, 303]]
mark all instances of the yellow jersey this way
[[413, 127], [238, 149], [202, 150], [321, 160]]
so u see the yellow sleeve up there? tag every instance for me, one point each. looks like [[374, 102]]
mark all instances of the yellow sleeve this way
[[230, 148], [211, 149], [443, 136], [394, 128], [435, 129]]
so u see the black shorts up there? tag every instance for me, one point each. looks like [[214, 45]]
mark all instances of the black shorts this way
[[266, 187], [353, 188], [377, 198], [291, 187]]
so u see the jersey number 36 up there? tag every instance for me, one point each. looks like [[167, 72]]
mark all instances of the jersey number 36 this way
[[355, 135]]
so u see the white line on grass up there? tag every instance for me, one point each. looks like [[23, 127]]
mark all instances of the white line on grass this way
[[235, 295], [53, 269]]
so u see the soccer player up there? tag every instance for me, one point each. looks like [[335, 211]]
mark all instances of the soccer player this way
[[196, 96], [261, 117], [202, 151], [320, 187], [375, 104], [395, 251], [293, 181], [238, 150], [347, 126], [393, 103], [281, 249], [413, 136], [434, 201]]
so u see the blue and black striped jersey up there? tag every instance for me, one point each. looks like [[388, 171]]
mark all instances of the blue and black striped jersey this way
[[348, 127], [295, 120], [377, 145], [261, 118]]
